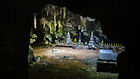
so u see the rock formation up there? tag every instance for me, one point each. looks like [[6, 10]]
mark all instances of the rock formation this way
[[57, 21]]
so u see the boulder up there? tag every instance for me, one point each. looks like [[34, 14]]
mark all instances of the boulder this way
[[31, 57]]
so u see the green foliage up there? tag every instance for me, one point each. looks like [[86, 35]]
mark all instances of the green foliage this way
[[49, 37]]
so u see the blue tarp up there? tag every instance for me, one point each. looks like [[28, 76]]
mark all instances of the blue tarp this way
[[107, 55]]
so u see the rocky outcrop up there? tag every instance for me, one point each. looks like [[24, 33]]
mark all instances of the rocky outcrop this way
[[57, 21]]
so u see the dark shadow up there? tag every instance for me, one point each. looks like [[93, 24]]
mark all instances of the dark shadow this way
[[122, 64], [107, 67]]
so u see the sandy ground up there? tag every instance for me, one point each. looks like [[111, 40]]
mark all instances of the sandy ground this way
[[89, 56], [64, 51]]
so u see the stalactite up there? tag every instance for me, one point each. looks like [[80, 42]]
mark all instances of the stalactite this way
[[35, 23], [55, 21], [47, 13], [64, 12], [57, 12], [59, 23], [61, 11], [51, 27], [43, 21], [47, 10], [44, 25]]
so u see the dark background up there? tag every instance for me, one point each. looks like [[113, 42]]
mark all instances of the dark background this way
[[16, 20]]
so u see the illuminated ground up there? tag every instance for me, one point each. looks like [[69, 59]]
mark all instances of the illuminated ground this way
[[67, 63], [69, 53]]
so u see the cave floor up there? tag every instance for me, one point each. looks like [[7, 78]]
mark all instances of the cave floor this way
[[67, 63]]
